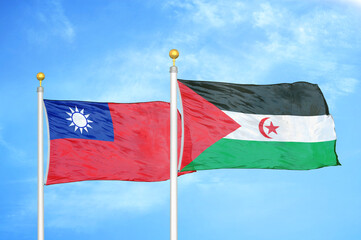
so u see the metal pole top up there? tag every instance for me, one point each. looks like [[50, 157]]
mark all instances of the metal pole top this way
[[40, 76], [173, 54]]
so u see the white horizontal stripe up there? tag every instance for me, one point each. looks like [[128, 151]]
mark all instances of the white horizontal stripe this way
[[290, 128]]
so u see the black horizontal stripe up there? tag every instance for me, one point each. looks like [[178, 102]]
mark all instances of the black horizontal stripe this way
[[300, 98]]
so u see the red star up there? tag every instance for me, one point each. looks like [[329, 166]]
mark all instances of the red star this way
[[272, 128]]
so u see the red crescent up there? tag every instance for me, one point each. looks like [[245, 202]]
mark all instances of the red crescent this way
[[260, 126]]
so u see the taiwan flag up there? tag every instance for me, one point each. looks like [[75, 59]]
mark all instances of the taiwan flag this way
[[108, 141]]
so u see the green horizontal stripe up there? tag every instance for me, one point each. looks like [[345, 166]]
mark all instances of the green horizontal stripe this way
[[229, 153]]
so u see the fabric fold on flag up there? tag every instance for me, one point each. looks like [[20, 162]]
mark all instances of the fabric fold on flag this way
[[278, 126], [108, 141]]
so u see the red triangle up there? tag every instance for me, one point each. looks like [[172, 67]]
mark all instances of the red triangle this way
[[204, 124]]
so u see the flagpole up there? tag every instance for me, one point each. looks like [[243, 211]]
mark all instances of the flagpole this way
[[40, 76], [173, 148]]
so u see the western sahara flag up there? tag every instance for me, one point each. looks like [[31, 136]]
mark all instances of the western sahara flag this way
[[280, 126]]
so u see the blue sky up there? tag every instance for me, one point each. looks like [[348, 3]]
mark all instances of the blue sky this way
[[117, 51]]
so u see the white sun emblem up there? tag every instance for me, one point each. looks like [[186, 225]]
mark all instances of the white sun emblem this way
[[79, 120]]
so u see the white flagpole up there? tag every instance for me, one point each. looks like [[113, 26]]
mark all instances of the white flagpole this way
[[40, 76], [173, 148]]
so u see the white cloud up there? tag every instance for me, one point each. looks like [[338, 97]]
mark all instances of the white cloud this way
[[352, 2], [306, 41], [82, 206], [53, 22], [348, 85], [210, 14], [314, 44], [12, 151], [214, 186], [85, 204], [267, 16], [335, 88], [280, 37], [134, 75]]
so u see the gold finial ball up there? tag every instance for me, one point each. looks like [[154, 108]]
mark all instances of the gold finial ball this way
[[40, 76], [173, 53]]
